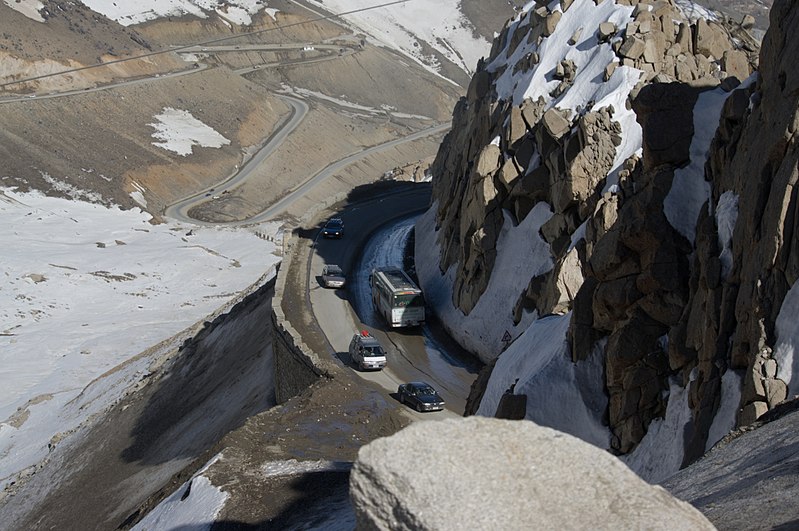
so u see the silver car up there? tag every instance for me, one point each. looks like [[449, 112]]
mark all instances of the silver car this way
[[333, 276], [366, 352]]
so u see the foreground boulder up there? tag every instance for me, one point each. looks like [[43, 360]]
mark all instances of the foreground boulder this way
[[481, 473]]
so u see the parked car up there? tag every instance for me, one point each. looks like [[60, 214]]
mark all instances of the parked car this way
[[334, 228], [366, 351], [333, 276], [421, 396]]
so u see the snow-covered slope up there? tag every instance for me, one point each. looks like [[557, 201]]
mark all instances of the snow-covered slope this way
[[86, 289], [407, 26]]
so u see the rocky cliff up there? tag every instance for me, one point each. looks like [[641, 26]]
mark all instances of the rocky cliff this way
[[663, 192]]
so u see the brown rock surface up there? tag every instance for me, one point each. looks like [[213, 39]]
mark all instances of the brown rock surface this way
[[632, 265], [753, 157]]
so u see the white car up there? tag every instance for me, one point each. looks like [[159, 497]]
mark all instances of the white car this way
[[333, 276], [366, 352]]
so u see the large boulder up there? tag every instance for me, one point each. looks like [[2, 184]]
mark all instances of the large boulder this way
[[481, 473]]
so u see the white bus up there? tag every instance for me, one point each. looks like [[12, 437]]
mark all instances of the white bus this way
[[396, 297]]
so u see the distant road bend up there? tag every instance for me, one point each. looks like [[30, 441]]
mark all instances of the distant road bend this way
[[332, 51], [180, 209]]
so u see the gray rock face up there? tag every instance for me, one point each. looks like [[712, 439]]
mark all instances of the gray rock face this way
[[729, 320], [548, 155], [480, 473], [630, 279]]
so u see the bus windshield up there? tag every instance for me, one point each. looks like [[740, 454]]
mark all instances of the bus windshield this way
[[410, 300]]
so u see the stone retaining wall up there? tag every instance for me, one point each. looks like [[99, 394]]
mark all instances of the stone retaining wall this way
[[296, 365]]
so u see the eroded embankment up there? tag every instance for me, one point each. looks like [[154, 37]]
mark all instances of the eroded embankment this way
[[213, 377]]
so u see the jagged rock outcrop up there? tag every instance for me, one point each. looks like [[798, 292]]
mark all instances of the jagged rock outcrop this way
[[627, 276], [741, 275], [637, 271], [520, 476], [545, 152]]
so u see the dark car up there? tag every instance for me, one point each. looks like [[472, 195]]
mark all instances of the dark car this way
[[421, 396], [334, 228]]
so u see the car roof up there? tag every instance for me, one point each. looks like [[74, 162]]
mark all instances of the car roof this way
[[369, 340], [335, 221], [420, 384]]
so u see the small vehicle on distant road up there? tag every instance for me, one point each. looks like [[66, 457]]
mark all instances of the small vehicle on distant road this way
[[366, 352], [333, 276], [420, 396], [334, 228]]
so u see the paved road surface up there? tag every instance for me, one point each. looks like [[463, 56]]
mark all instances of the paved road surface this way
[[376, 232]]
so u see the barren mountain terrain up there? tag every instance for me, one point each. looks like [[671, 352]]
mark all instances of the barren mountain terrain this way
[[85, 104], [89, 134]]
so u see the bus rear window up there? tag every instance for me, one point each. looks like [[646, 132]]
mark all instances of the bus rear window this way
[[402, 301]]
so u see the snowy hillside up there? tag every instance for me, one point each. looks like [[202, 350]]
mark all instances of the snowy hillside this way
[[406, 26], [95, 295], [86, 290]]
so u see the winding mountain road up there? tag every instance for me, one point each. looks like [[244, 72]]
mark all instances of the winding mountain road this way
[[180, 209]]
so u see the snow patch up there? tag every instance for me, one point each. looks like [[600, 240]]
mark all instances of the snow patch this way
[[194, 506], [727, 415], [128, 13], [87, 288], [726, 217], [521, 255], [439, 25], [787, 345], [588, 91], [560, 394], [139, 198], [693, 11], [689, 189], [70, 190], [179, 132], [660, 454], [30, 8]]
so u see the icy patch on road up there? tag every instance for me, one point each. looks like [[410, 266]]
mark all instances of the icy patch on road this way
[[179, 132], [292, 467]]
